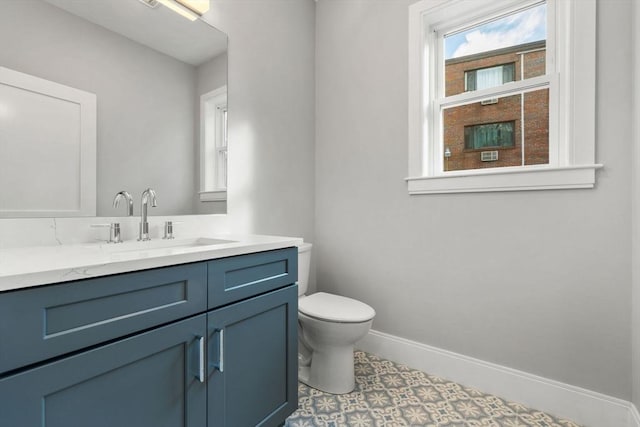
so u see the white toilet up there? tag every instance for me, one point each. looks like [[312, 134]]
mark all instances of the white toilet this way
[[328, 327]]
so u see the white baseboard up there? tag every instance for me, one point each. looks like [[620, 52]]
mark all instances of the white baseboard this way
[[583, 406]]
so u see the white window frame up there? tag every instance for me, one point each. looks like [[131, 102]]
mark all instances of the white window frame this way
[[213, 141], [570, 76]]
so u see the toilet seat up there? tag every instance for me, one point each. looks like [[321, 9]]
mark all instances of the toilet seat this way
[[335, 308]]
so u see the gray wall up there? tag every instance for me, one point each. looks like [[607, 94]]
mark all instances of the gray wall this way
[[144, 139], [537, 281], [212, 74], [271, 131]]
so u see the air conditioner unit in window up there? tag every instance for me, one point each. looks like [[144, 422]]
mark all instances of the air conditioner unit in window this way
[[489, 101], [489, 156]]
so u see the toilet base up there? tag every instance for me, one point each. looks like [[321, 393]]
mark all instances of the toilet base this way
[[331, 371]]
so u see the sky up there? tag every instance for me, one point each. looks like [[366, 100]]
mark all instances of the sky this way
[[523, 27]]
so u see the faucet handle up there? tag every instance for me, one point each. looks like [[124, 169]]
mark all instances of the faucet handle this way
[[168, 229], [114, 231]]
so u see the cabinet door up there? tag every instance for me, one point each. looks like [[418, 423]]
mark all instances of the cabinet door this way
[[147, 380], [253, 368]]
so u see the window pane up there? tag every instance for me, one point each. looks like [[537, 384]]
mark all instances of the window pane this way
[[485, 78], [508, 73], [225, 138], [489, 135], [492, 133], [488, 77], [513, 45], [222, 168]]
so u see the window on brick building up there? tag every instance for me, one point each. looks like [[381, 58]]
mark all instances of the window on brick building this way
[[489, 135], [486, 56], [501, 76], [485, 78]]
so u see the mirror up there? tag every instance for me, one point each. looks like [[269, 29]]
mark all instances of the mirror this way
[[148, 68]]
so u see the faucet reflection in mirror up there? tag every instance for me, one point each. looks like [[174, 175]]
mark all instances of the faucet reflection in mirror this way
[[124, 195]]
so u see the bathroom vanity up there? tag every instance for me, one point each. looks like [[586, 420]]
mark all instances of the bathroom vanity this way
[[193, 335]]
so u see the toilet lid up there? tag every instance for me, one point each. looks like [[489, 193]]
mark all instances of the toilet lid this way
[[334, 308]]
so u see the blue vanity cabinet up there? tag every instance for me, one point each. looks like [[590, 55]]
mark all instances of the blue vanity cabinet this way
[[253, 360], [206, 344], [148, 380]]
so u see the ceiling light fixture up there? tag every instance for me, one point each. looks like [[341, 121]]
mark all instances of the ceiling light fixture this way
[[200, 7], [190, 9]]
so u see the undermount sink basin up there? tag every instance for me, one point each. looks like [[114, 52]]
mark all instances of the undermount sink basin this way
[[157, 244]]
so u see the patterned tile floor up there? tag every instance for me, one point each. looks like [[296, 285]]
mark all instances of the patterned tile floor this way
[[392, 395]]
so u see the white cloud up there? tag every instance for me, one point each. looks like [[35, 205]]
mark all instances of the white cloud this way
[[509, 31]]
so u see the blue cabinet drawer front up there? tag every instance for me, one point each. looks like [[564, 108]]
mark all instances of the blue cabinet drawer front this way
[[236, 278], [39, 323]]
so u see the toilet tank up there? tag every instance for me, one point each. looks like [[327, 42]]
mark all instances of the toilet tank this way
[[304, 260]]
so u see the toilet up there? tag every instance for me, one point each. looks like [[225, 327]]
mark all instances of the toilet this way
[[328, 327]]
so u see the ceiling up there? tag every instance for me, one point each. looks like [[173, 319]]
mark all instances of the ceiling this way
[[158, 28]]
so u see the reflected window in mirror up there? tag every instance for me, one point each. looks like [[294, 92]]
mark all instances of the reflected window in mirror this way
[[213, 145]]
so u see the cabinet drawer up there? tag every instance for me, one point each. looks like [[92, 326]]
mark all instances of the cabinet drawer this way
[[39, 323], [235, 278]]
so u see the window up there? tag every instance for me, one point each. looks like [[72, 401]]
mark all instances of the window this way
[[213, 145], [516, 76], [490, 135], [486, 78], [221, 146]]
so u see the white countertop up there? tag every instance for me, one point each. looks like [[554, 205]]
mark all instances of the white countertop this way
[[40, 265]]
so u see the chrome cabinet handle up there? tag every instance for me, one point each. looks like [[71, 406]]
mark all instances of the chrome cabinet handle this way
[[201, 367], [221, 355], [220, 365]]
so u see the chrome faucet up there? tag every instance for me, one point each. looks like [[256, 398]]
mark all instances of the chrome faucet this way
[[124, 195], [144, 225]]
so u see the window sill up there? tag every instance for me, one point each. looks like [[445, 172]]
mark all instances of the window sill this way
[[506, 179], [213, 196]]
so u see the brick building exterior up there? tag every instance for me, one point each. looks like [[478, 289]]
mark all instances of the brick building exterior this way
[[494, 127]]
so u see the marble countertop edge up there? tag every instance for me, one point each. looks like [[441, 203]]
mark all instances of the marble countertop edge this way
[[41, 265]]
